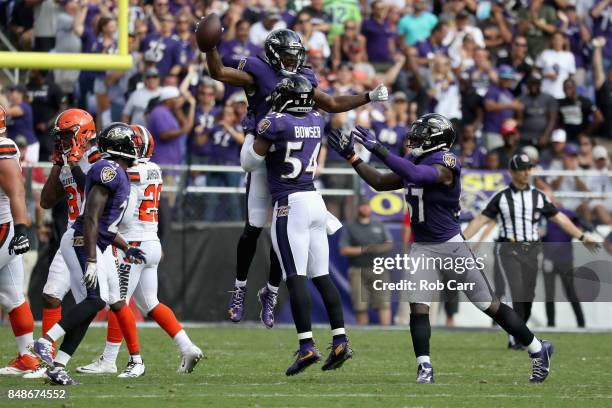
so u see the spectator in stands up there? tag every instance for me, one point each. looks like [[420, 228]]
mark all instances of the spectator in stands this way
[[520, 60], [21, 21], [462, 58], [206, 110], [497, 32], [136, 106], [492, 161], [321, 19], [557, 64], [361, 241], [342, 11], [510, 133], [432, 46], [472, 112], [601, 183], [579, 36], [380, 39], [105, 44], [20, 121], [185, 34], [539, 116], [602, 27], [444, 88], [272, 20], [70, 26], [416, 26], [288, 16], [537, 23], [45, 20], [499, 105], [455, 36], [577, 114], [236, 44], [603, 86], [471, 154], [313, 39], [46, 99], [554, 152], [165, 48], [348, 43], [482, 74], [389, 131], [569, 161], [585, 156], [155, 14]]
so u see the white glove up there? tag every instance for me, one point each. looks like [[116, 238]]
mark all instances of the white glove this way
[[90, 279], [379, 93]]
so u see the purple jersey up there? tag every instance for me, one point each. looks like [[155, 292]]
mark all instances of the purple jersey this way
[[292, 158], [434, 208], [109, 174], [223, 147], [166, 51], [266, 79]]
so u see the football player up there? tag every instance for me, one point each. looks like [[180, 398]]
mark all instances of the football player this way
[[13, 243], [139, 227], [258, 75], [430, 175], [107, 190], [289, 139]]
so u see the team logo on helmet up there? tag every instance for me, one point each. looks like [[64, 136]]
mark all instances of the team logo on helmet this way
[[263, 126], [108, 174], [449, 159]]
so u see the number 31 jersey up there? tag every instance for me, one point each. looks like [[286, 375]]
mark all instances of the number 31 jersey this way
[[140, 221], [292, 158], [74, 194]]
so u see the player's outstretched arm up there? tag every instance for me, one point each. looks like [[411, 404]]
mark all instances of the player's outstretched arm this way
[[345, 103], [343, 144], [225, 74], [568, 226]]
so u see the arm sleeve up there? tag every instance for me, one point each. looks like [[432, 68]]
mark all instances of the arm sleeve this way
[[416, 173], [344, 238]]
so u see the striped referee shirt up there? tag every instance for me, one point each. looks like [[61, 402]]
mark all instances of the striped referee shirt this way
[[518, 212]]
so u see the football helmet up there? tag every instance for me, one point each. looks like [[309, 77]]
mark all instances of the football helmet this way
[[74, 124], [285, 51], [2, 120], [144, 141], [117, 139], [293, 94], [429, 133]]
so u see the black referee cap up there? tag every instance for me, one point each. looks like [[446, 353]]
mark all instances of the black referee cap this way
[[520, 162]]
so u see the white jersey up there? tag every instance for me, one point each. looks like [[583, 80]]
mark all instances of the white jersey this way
[[8, 150], [140, 221], [74, 194]]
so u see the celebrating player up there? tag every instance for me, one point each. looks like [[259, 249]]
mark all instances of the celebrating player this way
[[284, 55], [299, 235], [106, 190], [13, 243], [139, 227], [431, 177]]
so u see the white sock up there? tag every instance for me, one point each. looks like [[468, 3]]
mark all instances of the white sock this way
[[273, 289], [23, 342], [55, 332], [136, 358], [423, 359], [305, 335], [111, 351], [183, 341], [535, 346], [338, 331], [62, 358], [240, 284]]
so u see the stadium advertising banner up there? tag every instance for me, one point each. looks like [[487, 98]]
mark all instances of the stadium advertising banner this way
[[477, 187]]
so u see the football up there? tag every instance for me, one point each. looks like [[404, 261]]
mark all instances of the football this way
[[208, 32]]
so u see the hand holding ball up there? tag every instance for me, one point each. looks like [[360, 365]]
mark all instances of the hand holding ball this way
[[208, 32]]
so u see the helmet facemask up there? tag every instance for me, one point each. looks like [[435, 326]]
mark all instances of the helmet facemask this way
[[291, 59]]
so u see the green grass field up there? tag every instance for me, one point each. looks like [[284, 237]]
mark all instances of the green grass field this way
[[245, 368]]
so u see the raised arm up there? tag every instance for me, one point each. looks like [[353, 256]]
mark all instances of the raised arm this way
[[225, 74], [345, 103]]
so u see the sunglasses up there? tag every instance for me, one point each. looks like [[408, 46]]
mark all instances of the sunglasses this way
[[304, 21]]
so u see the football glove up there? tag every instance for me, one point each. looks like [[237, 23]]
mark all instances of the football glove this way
[[135, 255], [20, 244], [368, 140], [90, 279], [379, 93], [341, 143], [57, 158]]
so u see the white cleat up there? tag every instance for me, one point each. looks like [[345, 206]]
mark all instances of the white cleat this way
[[190, 359], [39, 373], [99, 366], [133, 370]]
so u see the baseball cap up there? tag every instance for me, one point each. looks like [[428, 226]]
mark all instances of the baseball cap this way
[[505, 72], [19, 88], [238, 97], [168, 92], [462, 14], [151, 72], [509, 127], [571, 149], [558, 136], [520, 162], [399, 96], [600, 152], [273, 14], [534, 78], [532, 153]]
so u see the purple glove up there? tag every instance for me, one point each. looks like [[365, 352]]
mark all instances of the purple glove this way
[[368, 140]]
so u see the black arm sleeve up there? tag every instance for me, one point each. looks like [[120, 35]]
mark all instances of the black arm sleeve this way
[[492, 208]]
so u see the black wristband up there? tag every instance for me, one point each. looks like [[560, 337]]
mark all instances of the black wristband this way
[[20, 229], [356, 162], [367, 95], [380, 151], [581, 237]]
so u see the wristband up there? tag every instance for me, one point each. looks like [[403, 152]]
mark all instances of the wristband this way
[[20, 229], [90, 260], [367, 95], [354, 157]]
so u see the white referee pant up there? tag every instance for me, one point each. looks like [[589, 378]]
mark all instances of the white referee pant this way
[[11, 271]]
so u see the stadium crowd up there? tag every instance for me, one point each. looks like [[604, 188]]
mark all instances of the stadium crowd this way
[[521, 74]]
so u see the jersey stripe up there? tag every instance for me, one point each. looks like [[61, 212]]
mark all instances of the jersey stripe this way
[[4, 229]]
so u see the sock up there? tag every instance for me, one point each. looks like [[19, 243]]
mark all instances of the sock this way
[[420, 331], [56, 332], [299, 298], [136, 358], [273, 289], [49, 318], [513, 324], [245, 251], [22, 324], [62, 358], [239, 283], [74, 336], [126, 320], [183, 341], [535, 346], [338, 336], [111, 351], [331, 299], [165, 318], [423, 360], [276, 272], [305, 338], [113, 330]]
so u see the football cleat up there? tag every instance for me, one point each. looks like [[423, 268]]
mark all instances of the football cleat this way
[[340, 352], [190, 359], [307, 355], [44, 351], [20, 365], [425, 374], [60, 376], [40, 372], [236, 305], [99, 366], [268, 299], [540, 362], [133, 370]]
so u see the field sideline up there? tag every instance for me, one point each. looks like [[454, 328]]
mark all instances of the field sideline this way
[[245, 368]]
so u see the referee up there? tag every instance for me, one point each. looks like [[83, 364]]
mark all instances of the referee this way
[[517, 210]]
